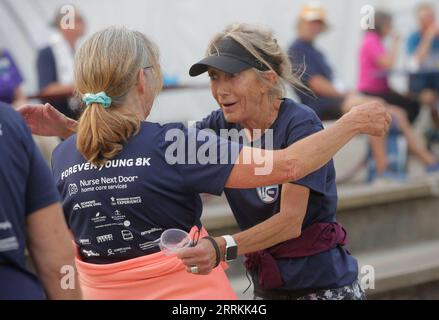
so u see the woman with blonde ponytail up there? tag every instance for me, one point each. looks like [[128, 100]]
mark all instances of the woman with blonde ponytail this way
[[104, 126], [124, 180]]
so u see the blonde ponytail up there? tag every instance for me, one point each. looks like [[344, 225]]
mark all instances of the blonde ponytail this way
[[102, 133], [109, 62]]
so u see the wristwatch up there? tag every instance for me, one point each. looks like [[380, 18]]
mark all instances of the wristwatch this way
[[231, 249]]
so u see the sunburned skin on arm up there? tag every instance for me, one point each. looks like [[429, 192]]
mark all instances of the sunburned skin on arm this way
[[312, 152]]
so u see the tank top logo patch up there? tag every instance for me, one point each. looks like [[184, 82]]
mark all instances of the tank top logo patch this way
[[268, 194]]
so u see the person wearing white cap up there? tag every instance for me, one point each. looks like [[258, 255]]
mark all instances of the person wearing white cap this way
[[328, 101]]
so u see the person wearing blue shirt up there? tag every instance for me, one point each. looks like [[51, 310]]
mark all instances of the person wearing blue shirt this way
[[124, 180], [329, 102], [316, 73], [55, 64], [30, 216], [423, 49], [271, 216], [327, 99]]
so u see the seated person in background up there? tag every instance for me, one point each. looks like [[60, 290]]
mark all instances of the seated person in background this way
[[423, 49], [375, 62], [55, 64], [328, 102], [325, 99], [10, 80]]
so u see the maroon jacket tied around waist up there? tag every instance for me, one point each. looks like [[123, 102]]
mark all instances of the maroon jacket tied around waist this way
[[317, 238]]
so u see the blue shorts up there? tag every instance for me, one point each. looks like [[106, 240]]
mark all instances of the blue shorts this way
[[417, 83]]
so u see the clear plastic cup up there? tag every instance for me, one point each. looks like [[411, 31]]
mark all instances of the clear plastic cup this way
[[173, 240]]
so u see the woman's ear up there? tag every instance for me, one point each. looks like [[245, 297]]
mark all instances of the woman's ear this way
[[141, 82], [270, 78]]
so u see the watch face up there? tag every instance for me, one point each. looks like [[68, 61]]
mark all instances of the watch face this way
[[232, 253]]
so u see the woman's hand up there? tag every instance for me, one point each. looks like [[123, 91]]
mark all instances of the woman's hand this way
[[202, 256], [371, 118], [45, 120]]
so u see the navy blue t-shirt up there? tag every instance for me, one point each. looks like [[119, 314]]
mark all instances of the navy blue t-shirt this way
[[26, 186], [331, 269], [117, 211], [305, 57]]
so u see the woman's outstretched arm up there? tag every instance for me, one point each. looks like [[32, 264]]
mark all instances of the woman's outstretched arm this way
[[255, 167], [45, 120], [309, 154]]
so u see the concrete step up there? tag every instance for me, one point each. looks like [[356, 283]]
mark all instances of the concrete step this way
[[402, 267]]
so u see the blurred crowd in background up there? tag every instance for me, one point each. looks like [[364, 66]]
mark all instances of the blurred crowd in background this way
[[378, 54]]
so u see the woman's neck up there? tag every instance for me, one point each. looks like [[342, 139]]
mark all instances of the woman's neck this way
[[262, 120], [306, 37], [134, 105]]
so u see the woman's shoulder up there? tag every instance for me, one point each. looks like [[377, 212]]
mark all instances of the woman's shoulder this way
[[12, 120], [214, 121], [298, 121], [8, 112], [157, 135], [66, 148], [297, 112], [216, 115], [150, 129]]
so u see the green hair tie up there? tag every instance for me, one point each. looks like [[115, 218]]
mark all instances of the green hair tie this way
[[101, 98]]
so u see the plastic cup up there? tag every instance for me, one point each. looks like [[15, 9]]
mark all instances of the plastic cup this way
[[173, 240]]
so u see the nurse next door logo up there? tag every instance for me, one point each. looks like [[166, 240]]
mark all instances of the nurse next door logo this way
[[106, 182]]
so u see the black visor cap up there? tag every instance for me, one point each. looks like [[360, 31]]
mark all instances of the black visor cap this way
[[231, 57]]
